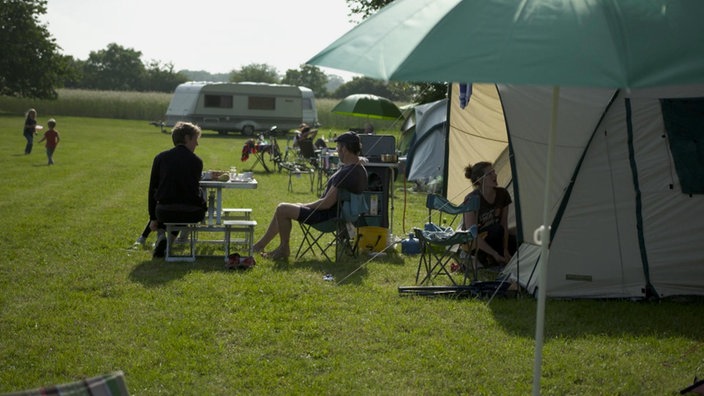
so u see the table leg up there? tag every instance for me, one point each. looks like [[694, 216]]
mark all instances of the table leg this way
[[211, 206], [320, 180], [257, 159], [260, 160], [227, 244], [311, 174], [391, 200], [219, 206]]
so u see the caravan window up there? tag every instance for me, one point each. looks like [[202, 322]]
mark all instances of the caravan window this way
[[262, 103], [307, 104], [684, 123], [218, 101]]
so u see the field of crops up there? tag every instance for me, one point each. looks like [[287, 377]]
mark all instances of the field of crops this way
[[150, 106]]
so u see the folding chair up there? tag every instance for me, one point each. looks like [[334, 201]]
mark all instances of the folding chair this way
[[440, 245], [305, 163], [350, 212], [307, 152]]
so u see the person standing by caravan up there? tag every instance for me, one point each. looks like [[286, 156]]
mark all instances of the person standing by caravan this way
[[30, 129], [52, 140], [495, 244]]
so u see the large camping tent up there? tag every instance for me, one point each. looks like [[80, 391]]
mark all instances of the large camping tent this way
[[626, 203], [426, 153]]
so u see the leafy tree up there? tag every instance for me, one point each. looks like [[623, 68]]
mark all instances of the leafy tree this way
[[161, 77], [73, 76], [308, 76], [256, 72], [402, 91], [334, 82], [365, 85], [202, 75], [30, 64], [115, 68], [429, 92], [365, 8]]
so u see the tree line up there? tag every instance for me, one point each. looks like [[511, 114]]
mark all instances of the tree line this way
[[33, 67]]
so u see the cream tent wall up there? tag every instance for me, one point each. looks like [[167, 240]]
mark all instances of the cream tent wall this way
[[476, 133], [621, 225]]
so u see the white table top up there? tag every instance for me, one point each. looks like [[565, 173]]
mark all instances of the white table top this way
[[215, 188], [229, 184]]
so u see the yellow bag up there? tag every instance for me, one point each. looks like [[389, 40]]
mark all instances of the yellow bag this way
[[372, 239]]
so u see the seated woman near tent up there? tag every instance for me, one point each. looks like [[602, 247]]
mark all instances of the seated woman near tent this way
[[351, 177], [496, 245]]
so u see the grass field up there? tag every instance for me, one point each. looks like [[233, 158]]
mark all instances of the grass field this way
[[76, 301]]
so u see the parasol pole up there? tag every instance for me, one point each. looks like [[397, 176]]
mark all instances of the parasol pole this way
[[542, 237]]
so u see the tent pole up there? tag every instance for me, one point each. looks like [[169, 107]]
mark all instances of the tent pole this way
[[542, 236], [445, 171]]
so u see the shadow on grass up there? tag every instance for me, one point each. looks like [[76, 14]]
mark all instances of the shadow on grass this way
[[612, 318], [320, 265], [157, 272], [348, 270], [580, 318]]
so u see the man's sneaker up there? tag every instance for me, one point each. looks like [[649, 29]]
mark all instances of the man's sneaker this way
[[140, 241], [160, 246]]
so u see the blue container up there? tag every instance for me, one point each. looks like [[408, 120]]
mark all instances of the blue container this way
[[410, 245]]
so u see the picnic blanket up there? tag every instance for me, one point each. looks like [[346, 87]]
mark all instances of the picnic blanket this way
[[112, 384]]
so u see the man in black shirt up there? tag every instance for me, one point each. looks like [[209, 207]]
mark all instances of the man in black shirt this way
[[174, 190]]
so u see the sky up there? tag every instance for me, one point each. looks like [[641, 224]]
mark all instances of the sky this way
[[217, 36]]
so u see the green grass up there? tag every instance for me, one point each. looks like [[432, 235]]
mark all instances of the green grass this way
[[76, 301]]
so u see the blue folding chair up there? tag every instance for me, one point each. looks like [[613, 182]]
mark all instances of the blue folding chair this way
[[351, 209], [440, 245]]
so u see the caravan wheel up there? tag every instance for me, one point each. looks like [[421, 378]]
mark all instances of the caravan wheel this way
[[248, 130]]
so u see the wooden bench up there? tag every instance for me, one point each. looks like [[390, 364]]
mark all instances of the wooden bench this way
[[244, 226]]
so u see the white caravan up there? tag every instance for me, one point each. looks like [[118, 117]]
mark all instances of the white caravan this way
[[244, 107]]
